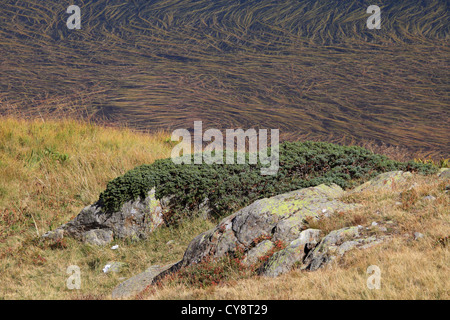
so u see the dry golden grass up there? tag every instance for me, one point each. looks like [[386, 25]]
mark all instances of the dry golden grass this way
[[35, 270], [49, 165], [408, 271]]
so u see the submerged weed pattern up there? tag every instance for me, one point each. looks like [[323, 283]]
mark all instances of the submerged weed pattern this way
[[306, 67]]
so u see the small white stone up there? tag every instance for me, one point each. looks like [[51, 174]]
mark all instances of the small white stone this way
[[106, 268], [115, 247], [374, 224], [418, 235]]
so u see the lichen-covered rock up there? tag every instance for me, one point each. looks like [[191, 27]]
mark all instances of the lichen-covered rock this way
[[384, 181], [283, 261], [115, 267], [135, 220], [259, 251], [98, 237], [336, 243], [281, 218], [56, 235], [444, 173]]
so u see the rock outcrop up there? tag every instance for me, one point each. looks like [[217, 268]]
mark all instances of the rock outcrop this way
[[256, 231], [280, 218], [385, 181], [444, 173], [136, 219], [284, 260], [337, 242]]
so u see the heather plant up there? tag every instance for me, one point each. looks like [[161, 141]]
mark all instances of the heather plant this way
[[211, 272]]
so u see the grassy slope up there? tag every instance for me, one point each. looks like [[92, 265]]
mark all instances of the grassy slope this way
[[307, 67], [40, 190], [49, 170]]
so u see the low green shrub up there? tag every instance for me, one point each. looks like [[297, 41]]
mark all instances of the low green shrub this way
[[231, 186]]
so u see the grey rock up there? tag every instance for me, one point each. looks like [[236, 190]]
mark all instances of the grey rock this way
[[282, 217], [418, 235], [98, 237], [137, 284], [260, 250], [444, 173], [346, 246], [384, 181], [284, 260], [370, 242], [56, 235], [429, 198], [336, 243], [135, 220]]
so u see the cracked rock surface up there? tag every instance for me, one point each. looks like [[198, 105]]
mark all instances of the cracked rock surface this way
[[135, 220], [280, 218]]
